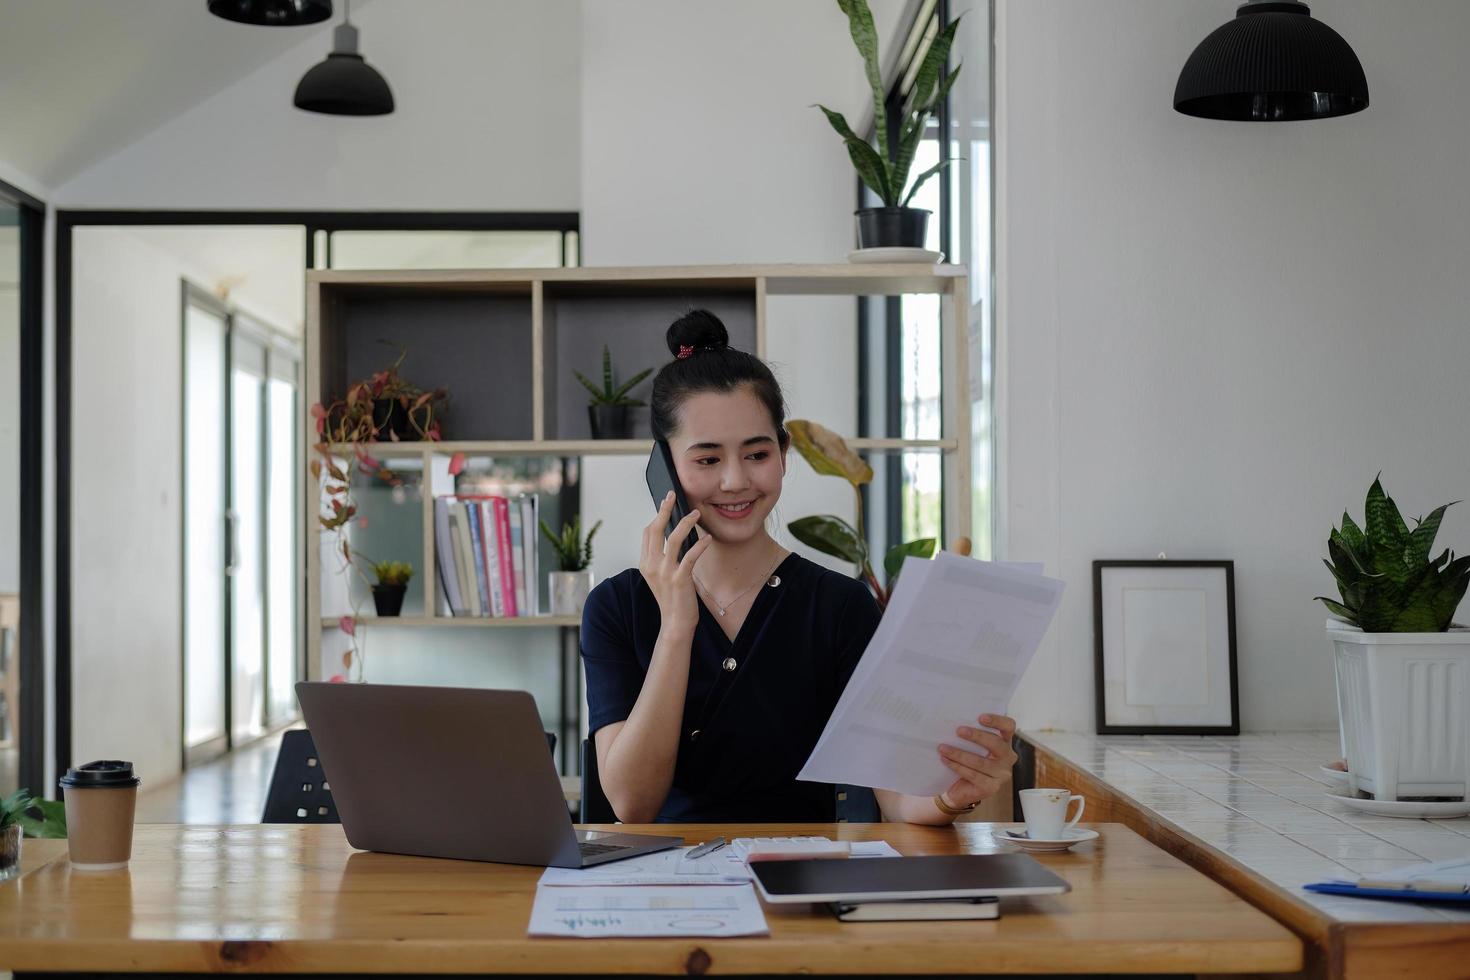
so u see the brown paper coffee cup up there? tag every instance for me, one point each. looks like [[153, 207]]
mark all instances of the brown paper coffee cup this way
[[100, 800]]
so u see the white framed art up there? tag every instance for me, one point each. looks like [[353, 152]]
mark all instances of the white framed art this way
[[1164, 639]]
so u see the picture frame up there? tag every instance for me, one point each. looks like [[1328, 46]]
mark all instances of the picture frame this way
[[1164, 645]]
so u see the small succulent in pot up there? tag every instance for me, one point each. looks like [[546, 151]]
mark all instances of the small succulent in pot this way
[[607, 412], [569, 587], [1385, 577], [23, 815], [393, 578]]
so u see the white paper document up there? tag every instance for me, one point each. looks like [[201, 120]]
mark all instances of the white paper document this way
[[953, 643], [645, 910], [659, 868]]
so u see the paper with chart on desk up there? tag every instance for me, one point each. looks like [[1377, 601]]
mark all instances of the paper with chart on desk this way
[[642, 910], [953, 643]]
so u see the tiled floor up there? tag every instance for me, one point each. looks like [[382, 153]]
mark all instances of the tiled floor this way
[[1261, 799]]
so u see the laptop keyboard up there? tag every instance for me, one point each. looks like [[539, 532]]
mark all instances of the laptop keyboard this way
[[590, 849]]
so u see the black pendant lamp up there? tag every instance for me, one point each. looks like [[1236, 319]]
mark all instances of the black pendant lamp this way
[[1272, 63], [344, 84], [272, 13]]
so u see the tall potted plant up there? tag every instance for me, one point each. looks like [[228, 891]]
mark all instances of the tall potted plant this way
[[886, 170], [1403, 667]]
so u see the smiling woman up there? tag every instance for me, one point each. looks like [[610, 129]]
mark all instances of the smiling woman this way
[[710, 678]]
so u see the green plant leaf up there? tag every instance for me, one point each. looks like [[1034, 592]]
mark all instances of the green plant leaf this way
[[1351, 533], [870, 167], [893, 561], [830, 535], [828, 453], [1339, 610], [626, 385], [919, 180], [925, 99], [865, 37], [606, 372], [597, 394], [1384, 527], [1421, 539], [50, 824]]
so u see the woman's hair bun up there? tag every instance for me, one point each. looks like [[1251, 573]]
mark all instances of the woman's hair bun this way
[[699, 329]]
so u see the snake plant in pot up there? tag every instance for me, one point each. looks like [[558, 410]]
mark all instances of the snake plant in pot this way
[[1403, 665], [885, 170]]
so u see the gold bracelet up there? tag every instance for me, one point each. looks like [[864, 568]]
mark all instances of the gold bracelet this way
[[951, 811]]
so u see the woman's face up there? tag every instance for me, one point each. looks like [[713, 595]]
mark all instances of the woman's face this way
[[728, 462]]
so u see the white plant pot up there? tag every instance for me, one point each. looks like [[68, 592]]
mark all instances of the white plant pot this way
[[1403, 703], [569, 591]]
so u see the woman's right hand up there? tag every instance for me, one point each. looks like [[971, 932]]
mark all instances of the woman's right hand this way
[[672, 580]]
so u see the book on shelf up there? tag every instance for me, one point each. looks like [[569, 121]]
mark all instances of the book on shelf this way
[[486, 555]]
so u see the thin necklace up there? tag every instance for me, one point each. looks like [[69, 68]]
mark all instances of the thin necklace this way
[[723, 606]]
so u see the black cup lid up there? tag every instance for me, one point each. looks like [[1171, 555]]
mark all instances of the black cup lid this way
[[102, 774]]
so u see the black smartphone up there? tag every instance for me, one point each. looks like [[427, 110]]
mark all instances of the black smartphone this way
[[661, 479]]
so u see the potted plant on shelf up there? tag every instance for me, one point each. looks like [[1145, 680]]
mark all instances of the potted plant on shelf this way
[[1403, 667], [608, 411], [569, 587], [829, 454], [886, 170], [392, 582], [22, 815], [381, 408]]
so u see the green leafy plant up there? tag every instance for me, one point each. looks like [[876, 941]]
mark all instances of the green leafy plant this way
[[1385, 576], [608, 394], [829, 454], [887, 172], [392, 572], [37, 818], [572, 552]]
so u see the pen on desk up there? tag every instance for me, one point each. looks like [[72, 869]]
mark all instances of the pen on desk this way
[[705, 848]]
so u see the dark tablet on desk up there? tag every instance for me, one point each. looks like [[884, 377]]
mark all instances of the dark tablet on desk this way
[[896, 879]]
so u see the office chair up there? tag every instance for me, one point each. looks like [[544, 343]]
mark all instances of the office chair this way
[[855, 804], [299, 791]]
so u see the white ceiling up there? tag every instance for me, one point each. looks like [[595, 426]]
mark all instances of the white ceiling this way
[[81, 79]]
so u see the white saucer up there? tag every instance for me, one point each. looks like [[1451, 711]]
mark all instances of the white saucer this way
[[895, 254], [1339, 777], [1413, 809], [1017, 836]]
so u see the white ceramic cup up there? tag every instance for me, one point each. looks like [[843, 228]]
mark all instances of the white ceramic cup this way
[[1046, 812]]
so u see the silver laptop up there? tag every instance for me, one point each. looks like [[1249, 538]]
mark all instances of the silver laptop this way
[[451, 772]]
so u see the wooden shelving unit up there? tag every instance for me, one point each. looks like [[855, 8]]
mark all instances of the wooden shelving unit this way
[[505, 342]]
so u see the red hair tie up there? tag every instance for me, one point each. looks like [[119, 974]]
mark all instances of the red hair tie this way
[[685, 350]]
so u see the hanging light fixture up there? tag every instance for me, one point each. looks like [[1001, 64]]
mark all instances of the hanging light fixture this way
[[272, 13], [344, 84], [1273, 62]]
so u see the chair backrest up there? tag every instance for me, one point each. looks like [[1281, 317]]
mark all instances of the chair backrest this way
[[299, 791], [595, 805]]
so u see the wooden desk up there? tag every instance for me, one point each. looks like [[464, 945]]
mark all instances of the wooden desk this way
[[289, 898]]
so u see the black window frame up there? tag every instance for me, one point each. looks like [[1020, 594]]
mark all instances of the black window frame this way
[[31, 636]]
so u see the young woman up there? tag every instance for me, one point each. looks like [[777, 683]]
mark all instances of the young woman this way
[[710, 678]]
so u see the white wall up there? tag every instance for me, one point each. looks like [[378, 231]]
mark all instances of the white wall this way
[[126, 516], [487, 102], [700, 145], [1216, 333]]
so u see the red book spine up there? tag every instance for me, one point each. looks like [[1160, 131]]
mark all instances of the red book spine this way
[[507, 567]]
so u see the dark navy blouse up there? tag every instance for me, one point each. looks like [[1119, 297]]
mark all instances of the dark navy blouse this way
[[755, 707]]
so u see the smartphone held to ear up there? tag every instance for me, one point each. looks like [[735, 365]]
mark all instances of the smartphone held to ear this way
[[661, 479]]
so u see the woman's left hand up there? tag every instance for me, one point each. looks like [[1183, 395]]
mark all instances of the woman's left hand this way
[[981, 773]]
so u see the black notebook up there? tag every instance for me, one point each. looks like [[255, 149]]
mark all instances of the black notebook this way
[[861, 880]]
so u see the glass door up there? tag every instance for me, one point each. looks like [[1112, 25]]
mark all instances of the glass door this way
[[249, 356], [282, 588], [206, 525], [10, 485]]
